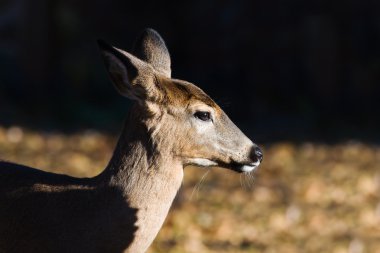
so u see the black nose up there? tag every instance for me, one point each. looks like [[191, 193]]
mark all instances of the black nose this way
[[256, 154]]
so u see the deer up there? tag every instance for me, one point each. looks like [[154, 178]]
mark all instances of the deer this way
[[172, 124]]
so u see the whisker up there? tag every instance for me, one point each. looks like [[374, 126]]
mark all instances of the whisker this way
[[242, 177], [198, 185], [251, 177], [247, 182], [202, 180]]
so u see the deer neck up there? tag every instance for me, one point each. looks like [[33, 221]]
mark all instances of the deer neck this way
[[148, 176]]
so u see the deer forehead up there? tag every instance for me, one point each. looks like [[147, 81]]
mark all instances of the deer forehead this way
[[184, 94]]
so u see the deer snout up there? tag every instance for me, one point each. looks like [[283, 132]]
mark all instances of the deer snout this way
[[256, 155]]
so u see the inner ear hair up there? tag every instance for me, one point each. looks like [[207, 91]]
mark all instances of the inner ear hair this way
[[119, 74], [130, 75]]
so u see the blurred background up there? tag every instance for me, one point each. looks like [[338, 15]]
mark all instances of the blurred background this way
[[299, 77]]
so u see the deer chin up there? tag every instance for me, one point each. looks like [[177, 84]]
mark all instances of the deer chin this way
[[240, 167], [234, 166], [249, 168]]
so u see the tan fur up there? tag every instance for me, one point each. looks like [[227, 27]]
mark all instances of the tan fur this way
[[123, 208]]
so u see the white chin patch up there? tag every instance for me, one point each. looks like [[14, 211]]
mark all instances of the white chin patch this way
[[202, 162], [249, 168]]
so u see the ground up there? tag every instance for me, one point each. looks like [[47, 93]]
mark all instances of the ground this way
[[305, 197]]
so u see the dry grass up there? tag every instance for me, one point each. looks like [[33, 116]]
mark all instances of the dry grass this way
[[305, 198]]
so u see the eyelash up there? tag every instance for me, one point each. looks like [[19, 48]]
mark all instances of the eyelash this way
[[204, 116]]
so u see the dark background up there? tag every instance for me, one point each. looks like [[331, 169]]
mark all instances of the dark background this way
[[292, 69]]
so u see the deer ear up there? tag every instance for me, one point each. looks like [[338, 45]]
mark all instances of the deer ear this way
[[132, 77], [151, 48]]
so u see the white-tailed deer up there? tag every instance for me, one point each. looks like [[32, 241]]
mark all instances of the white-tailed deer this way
[[172, 124]]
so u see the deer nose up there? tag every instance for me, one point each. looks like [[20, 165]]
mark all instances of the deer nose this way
[[256, 154]]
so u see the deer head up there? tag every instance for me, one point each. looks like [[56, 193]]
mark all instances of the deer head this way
[[181, 120]]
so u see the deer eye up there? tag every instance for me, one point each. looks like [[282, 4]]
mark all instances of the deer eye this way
[[204, 116]]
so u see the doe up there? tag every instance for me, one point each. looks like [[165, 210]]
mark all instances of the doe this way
[[172, 124]]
